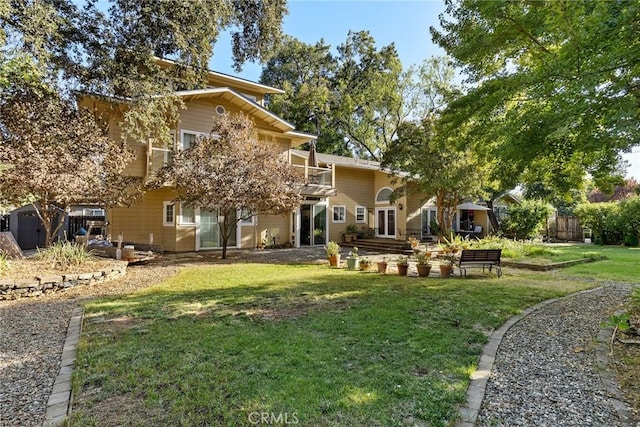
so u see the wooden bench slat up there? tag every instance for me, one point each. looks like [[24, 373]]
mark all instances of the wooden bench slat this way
[[480, 258]]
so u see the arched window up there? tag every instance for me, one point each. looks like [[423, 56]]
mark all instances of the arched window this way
[[384, 195]]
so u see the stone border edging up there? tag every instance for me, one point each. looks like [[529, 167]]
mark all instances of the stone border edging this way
[[468, 413], [608, 379], [41, 284], [59, 404]]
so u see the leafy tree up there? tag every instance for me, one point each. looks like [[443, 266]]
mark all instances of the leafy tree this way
[[368, 103], [620, 192], [305, 73], [431, 156], [354, 100], [604, 219], [233, 170], [524, 221], [556, 88], [111, 50], [432, 164], [54, 155]]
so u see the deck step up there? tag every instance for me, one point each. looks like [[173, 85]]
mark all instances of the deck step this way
[[380, 245]]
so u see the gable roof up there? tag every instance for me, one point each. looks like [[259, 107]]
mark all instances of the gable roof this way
[[220, 79], [250, 107]]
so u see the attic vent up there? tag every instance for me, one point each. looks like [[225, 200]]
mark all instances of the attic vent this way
[[220, 110]]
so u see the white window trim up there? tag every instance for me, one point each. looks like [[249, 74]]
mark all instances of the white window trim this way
[[166, 149], [378, 202], [364, 215], [192, 132], [181, 220], [165, 223], [246, 222], [344, 217]]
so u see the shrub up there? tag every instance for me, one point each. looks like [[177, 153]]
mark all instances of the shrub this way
[[513, 248], [525, 221], [332, 248], [65, 254], [605, 221]]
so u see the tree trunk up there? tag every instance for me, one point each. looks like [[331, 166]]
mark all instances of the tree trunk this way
[[492, 216]]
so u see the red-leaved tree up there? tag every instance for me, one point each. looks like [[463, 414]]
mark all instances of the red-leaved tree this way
[[233, 170], [54, 156]]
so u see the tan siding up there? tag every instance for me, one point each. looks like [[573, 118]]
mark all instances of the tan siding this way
[[137, 221], [355, 187], [277, 226], [248, 236], [185, 238], [415, 202]]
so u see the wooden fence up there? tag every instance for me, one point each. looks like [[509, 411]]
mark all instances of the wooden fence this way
[[567, 228]]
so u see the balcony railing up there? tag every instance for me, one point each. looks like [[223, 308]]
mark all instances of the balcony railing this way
[[317, 180]]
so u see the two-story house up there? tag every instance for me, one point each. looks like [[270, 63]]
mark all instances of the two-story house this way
[[338, 191]]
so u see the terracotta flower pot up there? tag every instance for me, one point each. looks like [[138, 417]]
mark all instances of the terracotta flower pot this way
[[382, 267], [364, 266], [423, 270], [334, 260], [403, 269], [446, 270]]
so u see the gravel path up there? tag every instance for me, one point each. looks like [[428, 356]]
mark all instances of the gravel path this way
[[545, 372]]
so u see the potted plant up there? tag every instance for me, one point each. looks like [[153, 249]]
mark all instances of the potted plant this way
[[333, 253], [382, 265], [423, 265], [446, 266], [262, 244], [352, 259], [413, 242], [365, 263], [403, 265], [351, 230]]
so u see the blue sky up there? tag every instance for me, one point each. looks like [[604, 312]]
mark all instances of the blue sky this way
[[405, 23]]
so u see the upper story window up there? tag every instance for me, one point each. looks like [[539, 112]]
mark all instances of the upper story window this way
[[161, 154], [384, 195], [188, 138]]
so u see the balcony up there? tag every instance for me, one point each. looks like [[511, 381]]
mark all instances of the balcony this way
[[318, 181]]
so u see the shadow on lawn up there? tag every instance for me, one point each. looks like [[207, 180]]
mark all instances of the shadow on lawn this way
[[333, 346]]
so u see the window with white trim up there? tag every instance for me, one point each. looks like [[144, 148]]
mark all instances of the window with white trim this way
[[340, 213], [168, 213], [187, 215], [162, 154], [246, 217], [384, 195], [189, 137], [361, 214]]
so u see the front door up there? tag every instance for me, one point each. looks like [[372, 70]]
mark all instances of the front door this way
[[386, 222]]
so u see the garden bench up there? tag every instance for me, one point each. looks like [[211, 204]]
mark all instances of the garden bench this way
[[479, 258]]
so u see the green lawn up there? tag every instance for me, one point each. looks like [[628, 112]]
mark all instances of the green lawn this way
[[228, 344]]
